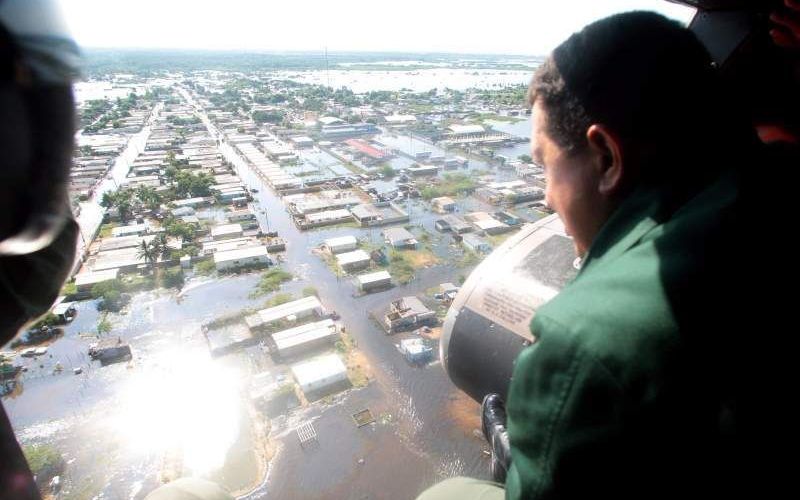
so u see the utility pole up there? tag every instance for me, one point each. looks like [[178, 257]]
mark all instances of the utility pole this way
[[327, 70]]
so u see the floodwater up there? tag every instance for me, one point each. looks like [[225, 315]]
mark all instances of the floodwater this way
[[420, 80], [173, 410], [120, 427]]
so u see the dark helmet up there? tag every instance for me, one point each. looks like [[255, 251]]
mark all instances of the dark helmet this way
[[38, 64]]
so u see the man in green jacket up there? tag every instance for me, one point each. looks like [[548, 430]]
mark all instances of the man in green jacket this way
[[628, 389]]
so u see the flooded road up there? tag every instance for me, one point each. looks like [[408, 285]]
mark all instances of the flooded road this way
[[91, 213], [420, 401], [125, 428]]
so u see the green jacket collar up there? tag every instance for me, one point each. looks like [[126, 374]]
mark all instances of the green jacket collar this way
[[634, 218]]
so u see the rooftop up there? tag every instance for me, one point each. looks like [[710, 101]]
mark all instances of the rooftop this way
[[315, 370], [466, 129], [289, 308], [226, 229], [373, 277], [240, 253], [397, 234], [341, 240], [352, 257], [304, 333]]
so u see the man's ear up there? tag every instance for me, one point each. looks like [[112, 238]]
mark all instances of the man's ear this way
[[605, 148]]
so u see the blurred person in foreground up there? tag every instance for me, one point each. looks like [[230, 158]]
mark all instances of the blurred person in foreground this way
[[631, 387]]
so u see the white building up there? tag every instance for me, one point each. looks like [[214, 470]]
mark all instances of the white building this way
[[353, 261], [443, 204], [302, 141], [320, 374], [232, 259], [130, 230], [85, 281], [290, 311], [399, 237], [466, 129], [226, 231], [476, 243], [305, 337], [372, 281], [400, 119], [341, 244]]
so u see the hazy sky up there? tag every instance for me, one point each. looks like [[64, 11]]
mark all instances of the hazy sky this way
[[528, 27]]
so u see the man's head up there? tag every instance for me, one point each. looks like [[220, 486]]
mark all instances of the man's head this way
[[627, 101]]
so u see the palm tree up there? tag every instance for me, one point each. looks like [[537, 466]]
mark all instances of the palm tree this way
[[159, 246], [147, 253], [148, 196]]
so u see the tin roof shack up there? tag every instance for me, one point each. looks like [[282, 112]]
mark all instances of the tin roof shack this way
[[130, 230], [486, 223], [416, 351], [321, 376], [193, 202], [304, 338], [476, 243], [381, 213], [421, 170], [86, 280], [374, 281], [443, 204], [325, 218], [399, 238], [240, 216], [275, 244], [266, 320], [341, 244], [453, 223], [308, 203], [399, 120], [353, 261], [252, 257], [447, 292], [226, 231], [507, 218], [109, 351], [408, 313], [65, 311], [209, 247], [302, 141]]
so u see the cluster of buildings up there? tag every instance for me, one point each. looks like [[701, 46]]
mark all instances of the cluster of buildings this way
[[96, 152], [223, 227], [298, 334]]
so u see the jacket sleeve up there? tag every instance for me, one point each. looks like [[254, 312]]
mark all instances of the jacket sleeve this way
[[563, 412]]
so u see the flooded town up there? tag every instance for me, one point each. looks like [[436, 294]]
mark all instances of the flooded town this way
[[266, 258]]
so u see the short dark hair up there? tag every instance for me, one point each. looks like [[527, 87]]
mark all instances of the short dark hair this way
[[639, 73]]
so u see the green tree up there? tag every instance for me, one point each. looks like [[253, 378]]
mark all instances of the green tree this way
[[179, 229], [160, 247], [121, 200], [104, 326], [170, 174], [387, 170], [147, 252], [525, 158], [189, 184], [274, 117], [148, 196]]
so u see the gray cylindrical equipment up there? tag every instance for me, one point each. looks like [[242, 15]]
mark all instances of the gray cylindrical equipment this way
[[488, 323]]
